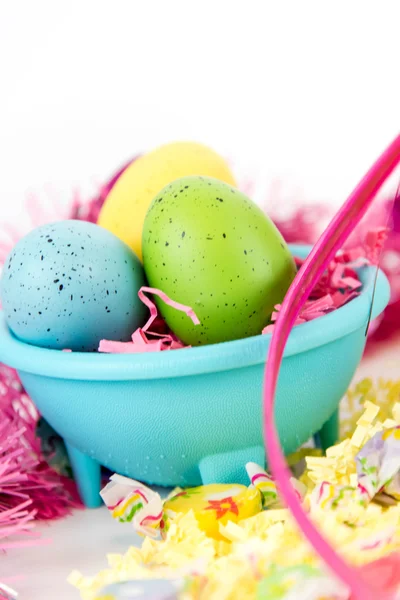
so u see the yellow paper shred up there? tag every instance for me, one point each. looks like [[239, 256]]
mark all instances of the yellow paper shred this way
[[231, 569]]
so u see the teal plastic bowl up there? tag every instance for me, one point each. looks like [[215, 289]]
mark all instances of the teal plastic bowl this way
[[193, 416]]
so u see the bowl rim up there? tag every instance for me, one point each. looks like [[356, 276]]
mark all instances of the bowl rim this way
[[200, 360]]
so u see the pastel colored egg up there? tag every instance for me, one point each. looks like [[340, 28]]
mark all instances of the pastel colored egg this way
[[129, 198], [208, 246], [216, 504], [70, 284]]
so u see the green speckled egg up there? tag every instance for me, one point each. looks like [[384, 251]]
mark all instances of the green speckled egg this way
[[207, 245]]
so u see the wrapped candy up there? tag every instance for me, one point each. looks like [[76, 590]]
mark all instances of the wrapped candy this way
[[378, 464], [132, 502], [266, 485], [377, 475], [212, 505], [215, 505]]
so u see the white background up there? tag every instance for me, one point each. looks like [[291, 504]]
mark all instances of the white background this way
[[308, 92]]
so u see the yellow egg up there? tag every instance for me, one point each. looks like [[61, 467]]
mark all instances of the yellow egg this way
[[126, 205]]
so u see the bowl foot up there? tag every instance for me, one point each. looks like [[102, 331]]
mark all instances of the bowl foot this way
[[87, 473], [229, 467], [328, 435]]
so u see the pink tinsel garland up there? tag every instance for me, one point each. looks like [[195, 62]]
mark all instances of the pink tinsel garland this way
[[29, 487]]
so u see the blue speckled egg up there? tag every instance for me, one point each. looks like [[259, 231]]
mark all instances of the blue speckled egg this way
[[69, 285]]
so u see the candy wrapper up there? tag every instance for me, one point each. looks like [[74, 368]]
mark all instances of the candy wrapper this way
[[377, 474], [131, 502], [378, 464], [212, 505], [266, 486]]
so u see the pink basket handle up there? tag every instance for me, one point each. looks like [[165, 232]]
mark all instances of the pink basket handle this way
[[324, 250]]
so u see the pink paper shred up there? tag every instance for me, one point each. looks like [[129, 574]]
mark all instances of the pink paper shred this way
[[144, 340], [304, 226], [340, 283]]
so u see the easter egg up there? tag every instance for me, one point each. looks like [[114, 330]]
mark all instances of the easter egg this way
[[216, 504], [70, 284], [125, 207], [208, 246]]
